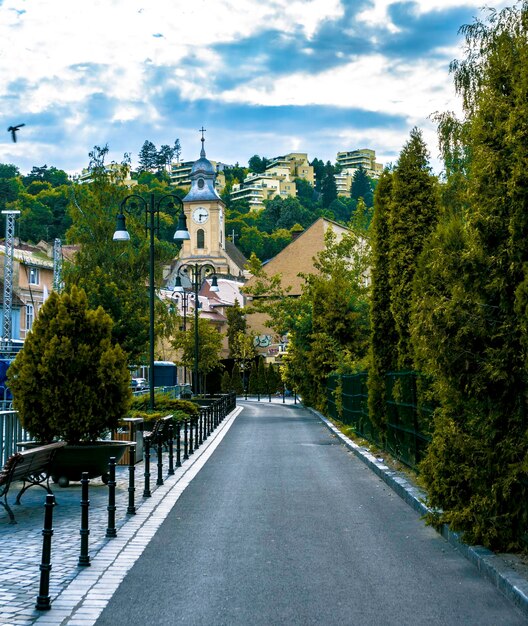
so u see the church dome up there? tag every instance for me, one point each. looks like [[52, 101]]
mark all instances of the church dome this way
[[203, 174], [203, 166]]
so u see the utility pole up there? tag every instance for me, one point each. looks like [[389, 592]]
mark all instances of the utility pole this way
[[8, 278], [57, 265]]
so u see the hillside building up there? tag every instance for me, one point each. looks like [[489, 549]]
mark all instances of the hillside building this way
[[297, 257], [277, 180], [364, 157]]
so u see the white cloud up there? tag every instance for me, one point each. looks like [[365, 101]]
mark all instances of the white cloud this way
[[378, 15], [372, 83]]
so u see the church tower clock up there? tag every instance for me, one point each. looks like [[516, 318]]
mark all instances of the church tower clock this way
[[205, 212]]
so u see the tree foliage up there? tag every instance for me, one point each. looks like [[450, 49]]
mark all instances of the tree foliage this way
[[471, 296], [383, 337], [114, 274], [70, 381], [413, 214]]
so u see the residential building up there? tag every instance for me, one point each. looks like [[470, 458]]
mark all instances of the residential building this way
[[344, 182], [115, 172], [296, 165], [259, 187], [278, 179], [32, 283], [297, 257], [180, 175], [364, 157]]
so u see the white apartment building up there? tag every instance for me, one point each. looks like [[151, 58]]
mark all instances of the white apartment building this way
[[278, 179], [364, 157]]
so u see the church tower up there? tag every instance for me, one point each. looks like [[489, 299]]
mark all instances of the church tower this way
[[205, 212]]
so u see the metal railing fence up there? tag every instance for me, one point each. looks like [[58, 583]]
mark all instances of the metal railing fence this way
[[409, 417], [11, 432]]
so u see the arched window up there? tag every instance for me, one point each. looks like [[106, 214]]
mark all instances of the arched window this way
[[200, 238]]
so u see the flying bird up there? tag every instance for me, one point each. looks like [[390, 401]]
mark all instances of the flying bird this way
[[13, 130]]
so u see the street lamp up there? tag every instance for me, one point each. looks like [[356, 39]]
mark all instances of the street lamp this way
[[196, 273], [179, 294], [152, 210]]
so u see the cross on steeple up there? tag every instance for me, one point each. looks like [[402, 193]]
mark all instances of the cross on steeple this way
[[202, 151]]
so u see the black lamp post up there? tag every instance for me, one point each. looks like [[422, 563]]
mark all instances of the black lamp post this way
[[152, 210], [178, 294], [196, 274]]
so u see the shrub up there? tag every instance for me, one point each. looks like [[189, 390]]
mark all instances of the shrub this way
[[69, 382]]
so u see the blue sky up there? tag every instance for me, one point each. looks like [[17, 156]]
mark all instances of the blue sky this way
[[267, 78]]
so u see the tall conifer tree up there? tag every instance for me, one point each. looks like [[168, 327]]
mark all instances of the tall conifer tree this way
[[413, 215], [383, 339], [470, 327]]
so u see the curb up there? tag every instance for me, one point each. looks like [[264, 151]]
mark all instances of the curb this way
[[489, 564]]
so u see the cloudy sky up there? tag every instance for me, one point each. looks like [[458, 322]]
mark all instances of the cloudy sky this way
[[263, 77]]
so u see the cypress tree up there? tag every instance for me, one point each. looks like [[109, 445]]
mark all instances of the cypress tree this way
[[271, 379], [383, 337], [470, 329], [236, 380], [413, 215], [262, 386], [225, 384], [253, 378]]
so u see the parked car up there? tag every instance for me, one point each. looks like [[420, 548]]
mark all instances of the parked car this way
[[134, 384], [141, 383]]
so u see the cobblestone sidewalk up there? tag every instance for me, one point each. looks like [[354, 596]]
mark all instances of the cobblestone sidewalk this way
[[21, 543]]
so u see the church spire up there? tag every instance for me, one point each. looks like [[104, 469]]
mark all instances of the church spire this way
[[202, 151]]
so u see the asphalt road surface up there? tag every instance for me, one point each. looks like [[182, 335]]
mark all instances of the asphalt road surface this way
[[284, 525]]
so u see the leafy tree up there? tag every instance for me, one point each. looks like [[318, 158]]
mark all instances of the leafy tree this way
[[306, 194], [113, 274], [8, 170], [164, 157], [235, 174], [10, 189], [209, 347], [51, 175], [70, 381], [469, 331], [148, 157], [341, 210], [252, 241], [257, 164], [328, 325], [34, 219], [236, 328], [412, 216]]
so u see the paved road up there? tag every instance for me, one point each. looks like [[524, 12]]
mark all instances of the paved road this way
[[284, 526]]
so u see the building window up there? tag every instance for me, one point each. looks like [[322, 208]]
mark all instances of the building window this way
[[200, 238], [30, 316], [34, 277]]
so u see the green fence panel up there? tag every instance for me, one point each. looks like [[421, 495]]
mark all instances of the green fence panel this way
[[409, 422]]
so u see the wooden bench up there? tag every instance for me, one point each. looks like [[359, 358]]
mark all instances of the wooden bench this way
[[161, 427], [31, 467]]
